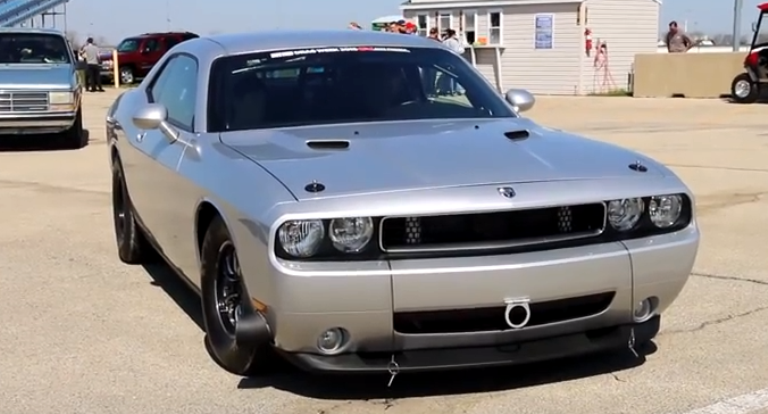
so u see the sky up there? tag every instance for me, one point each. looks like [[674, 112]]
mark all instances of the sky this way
[[102, 18]]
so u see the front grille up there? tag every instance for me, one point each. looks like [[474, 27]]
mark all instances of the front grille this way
[[497, 230], [492, 318], [23, 101]]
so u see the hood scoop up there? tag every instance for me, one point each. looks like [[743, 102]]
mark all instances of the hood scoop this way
[[328, 144], [517, 135]]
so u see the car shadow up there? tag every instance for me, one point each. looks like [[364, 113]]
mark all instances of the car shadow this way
[[177, 289], [762, 99], [374, 387], [37, 142]]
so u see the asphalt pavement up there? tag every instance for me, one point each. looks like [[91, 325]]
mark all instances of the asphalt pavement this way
[[83, 333]]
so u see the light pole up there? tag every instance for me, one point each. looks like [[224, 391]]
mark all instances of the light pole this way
[[168, 14], [737, 6]]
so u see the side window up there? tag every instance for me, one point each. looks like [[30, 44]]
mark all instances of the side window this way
[[176, 88], [151, 45], [171, 41]]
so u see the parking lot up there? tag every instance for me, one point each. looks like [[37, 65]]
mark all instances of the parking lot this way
[[82, 333]]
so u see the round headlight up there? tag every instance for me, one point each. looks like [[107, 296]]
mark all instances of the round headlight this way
[[351, 234], [301, 238], [624, 214], [665, 210]]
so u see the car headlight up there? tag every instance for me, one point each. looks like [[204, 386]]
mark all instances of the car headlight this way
[[301, 238], [665, 210], [623, 215], [350, 234], [61, 98]]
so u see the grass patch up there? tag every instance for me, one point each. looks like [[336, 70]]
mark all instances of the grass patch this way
[[612, 92]]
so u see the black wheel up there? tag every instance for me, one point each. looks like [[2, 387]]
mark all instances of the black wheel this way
[[132, 245], [744, 90], [226, 305], [126, 75], [75, 137]]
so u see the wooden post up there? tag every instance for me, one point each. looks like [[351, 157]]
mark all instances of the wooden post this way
[[115, 69]]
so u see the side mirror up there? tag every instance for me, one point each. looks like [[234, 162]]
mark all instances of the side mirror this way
[[520, 99], [154, 116], [754, 27]]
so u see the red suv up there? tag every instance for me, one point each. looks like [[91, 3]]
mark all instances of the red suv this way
[[137, 55]]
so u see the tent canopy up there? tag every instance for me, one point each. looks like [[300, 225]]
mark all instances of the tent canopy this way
[[387, 19]]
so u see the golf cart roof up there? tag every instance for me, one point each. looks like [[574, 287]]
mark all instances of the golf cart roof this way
[[763, 7]]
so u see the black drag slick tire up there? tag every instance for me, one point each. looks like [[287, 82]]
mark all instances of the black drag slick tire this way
[[220, 279], [132, 245]]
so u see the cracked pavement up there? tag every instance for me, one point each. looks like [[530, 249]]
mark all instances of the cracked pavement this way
[[83, 333]]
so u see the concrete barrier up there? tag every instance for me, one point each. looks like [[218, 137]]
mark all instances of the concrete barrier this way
[[688, 75]]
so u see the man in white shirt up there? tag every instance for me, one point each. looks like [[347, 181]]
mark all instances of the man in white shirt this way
[[453, 42]]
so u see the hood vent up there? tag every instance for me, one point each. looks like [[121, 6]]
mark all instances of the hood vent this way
[[517, 135], [331, 144]]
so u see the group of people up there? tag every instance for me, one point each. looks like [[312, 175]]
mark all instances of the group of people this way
[[449, 38]]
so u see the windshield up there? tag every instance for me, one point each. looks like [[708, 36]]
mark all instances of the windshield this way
[[128, 45], [33, 48], [348, 84]]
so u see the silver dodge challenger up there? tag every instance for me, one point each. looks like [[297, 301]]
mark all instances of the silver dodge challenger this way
[[361, 202]]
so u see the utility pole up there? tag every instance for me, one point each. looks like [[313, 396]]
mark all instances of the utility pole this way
[[737, 6]]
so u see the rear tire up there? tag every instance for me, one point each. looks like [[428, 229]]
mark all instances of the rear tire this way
[[224, 298], [132, 245], [744, 90], [74, 137]]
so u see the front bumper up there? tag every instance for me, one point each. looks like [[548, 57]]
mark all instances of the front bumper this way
[[36, 123], [364, 298], [581, 343]]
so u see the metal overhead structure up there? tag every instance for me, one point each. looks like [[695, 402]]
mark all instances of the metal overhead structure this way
[[737, 6]]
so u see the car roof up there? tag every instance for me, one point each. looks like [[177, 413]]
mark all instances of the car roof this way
[[301, 39], [38, 30], [145, 35]]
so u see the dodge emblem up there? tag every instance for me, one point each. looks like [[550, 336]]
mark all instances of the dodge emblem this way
[[506, 192]]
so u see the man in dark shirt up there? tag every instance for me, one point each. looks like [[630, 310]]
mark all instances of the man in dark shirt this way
[[677, 41]]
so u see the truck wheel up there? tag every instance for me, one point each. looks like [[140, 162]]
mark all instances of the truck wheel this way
[[744, 90], [126, 75], [132, 245], [226, 305], [75, 137]]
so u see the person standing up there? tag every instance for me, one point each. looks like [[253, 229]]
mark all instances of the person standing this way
[[452, 42], [93, 74], [434, 34], [677, 41], [430, 74]]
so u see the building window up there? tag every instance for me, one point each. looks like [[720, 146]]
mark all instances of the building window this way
[[422, 24], [494, 27], [444, 22], [470, 26]]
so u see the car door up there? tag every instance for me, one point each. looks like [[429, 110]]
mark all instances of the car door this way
[[174, 87]]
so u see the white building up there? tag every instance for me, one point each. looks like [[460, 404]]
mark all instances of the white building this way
[[540, 45]]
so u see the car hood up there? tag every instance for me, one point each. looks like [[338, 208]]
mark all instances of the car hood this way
[[396, 156], [36, 76]]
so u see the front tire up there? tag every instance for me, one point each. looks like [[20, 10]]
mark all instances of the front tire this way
[[132, 245], [744, 90], [224, 302], [75, 137]]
